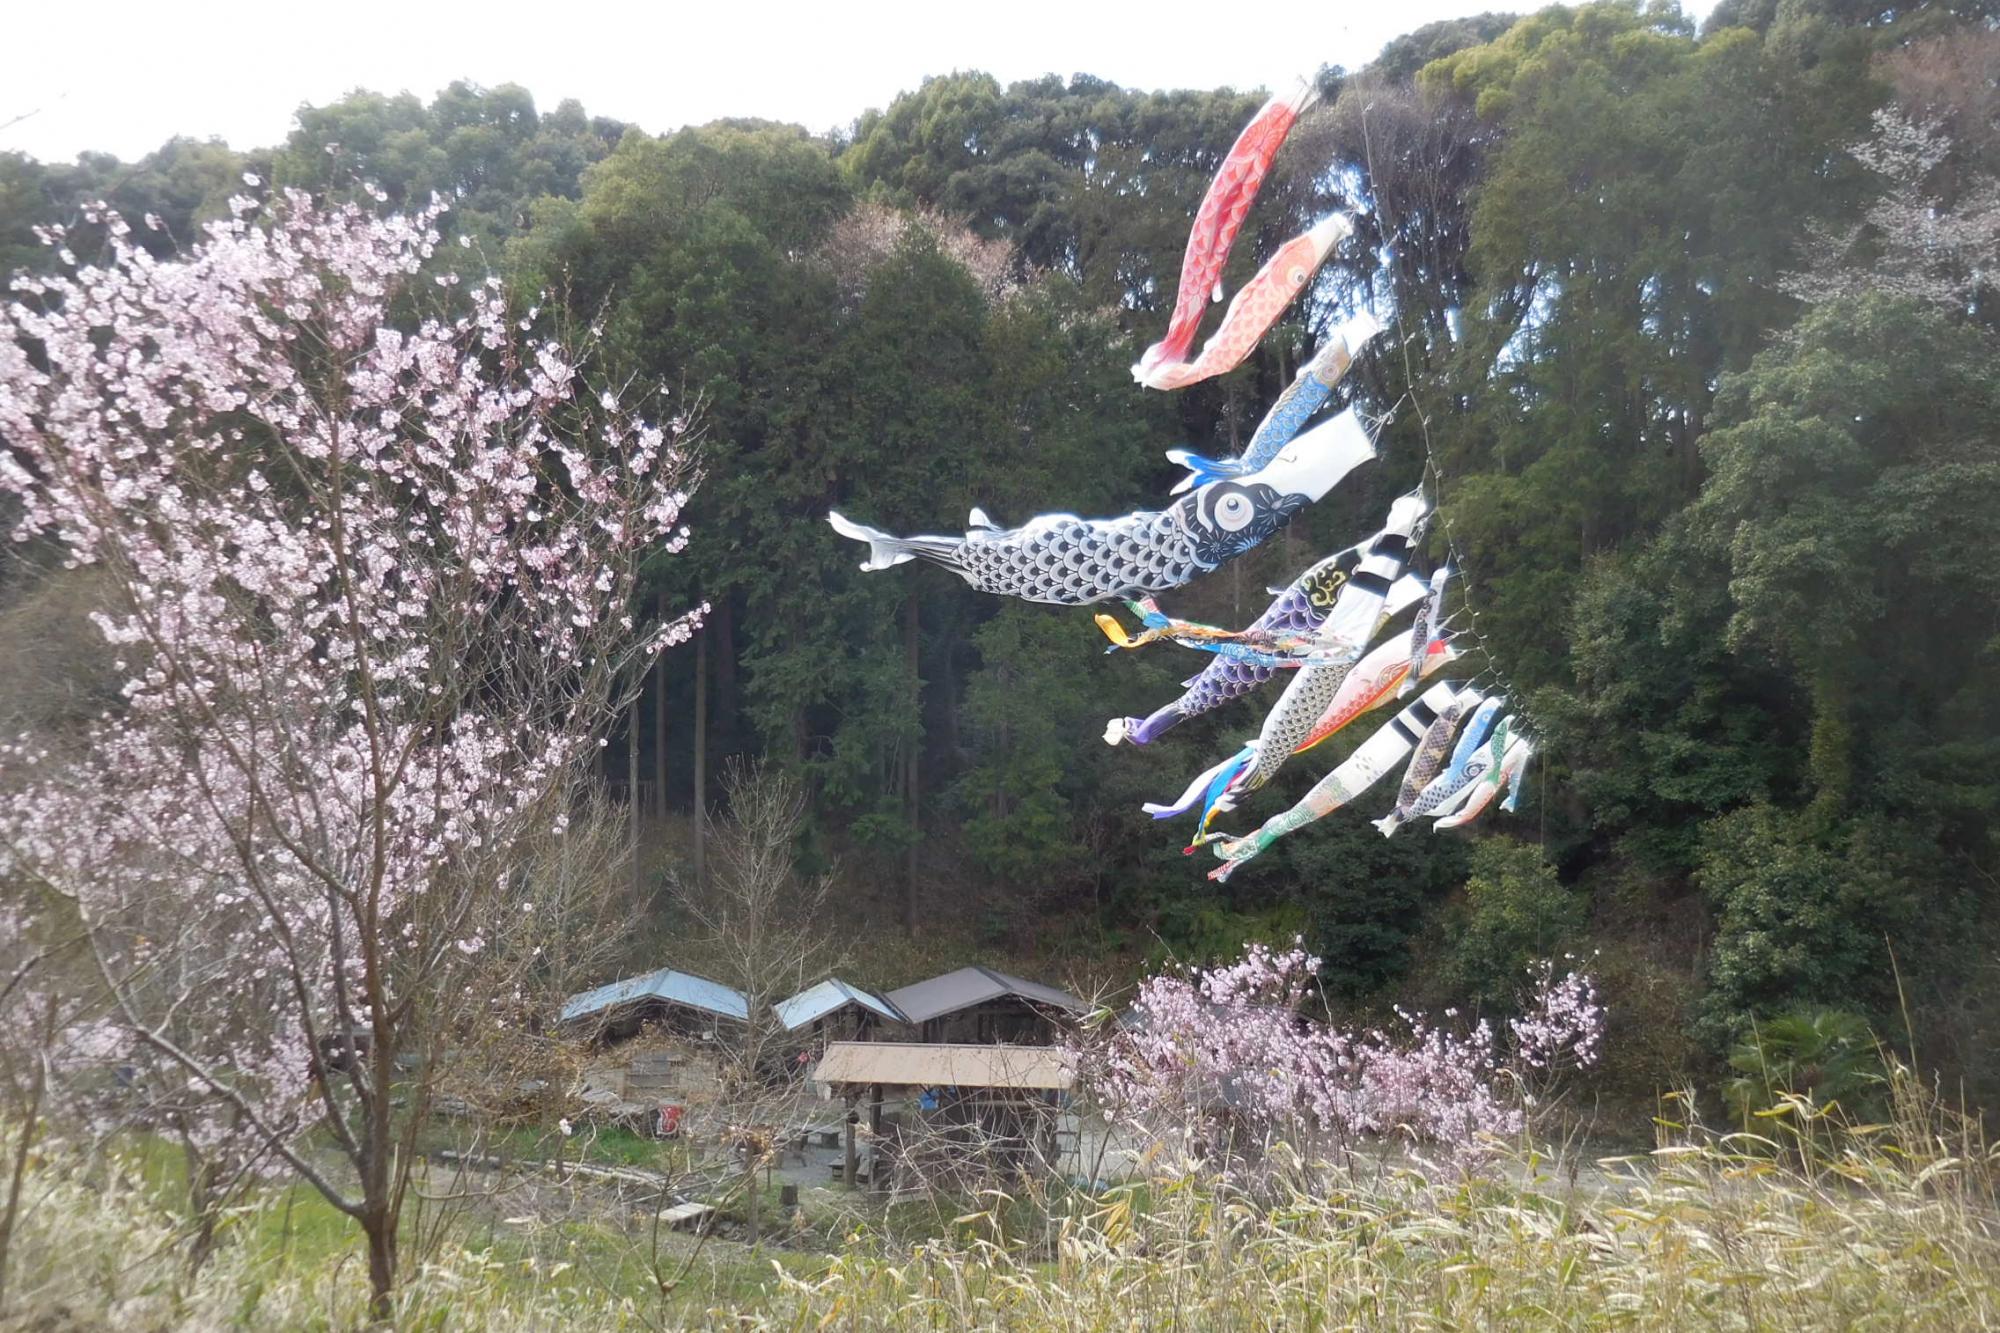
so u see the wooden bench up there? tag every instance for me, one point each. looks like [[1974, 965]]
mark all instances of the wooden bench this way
[[687, 1216]]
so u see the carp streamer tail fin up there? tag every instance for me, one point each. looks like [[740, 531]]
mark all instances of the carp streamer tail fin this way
[[885, 551], [1202, 470], [1199, 791], [1225, 785]]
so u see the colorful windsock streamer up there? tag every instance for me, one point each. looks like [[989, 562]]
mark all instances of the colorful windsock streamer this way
[[1429, 617], [1461, 781], [1305, 395], [1355, 619], [1361, 770], [1482, 793], [1302, 608], [1441, 786], [1073, 561], [1219, 218], [1374, 680], [1253, 310]]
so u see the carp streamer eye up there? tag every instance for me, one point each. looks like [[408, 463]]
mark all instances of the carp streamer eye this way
[[1233, 512]]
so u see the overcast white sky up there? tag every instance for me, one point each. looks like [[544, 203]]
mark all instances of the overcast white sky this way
[[122, 77]]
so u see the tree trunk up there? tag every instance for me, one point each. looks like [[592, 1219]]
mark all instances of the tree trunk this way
[[950, 690], [381, 1231], [726, 694], [32, 1118], [632, 806], [911, 639], [380, 1199], [203, 1205], [660, 736], [1830, 751], [701, 757]]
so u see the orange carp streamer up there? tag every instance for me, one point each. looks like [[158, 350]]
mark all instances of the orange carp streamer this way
[[1218, 220], [1254, 309]]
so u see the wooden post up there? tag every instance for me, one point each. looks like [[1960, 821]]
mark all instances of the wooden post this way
[[912, 642], [852, 1115], [877, 1174]]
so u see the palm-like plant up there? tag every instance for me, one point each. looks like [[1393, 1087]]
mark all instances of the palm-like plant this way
[[1822, 1056]]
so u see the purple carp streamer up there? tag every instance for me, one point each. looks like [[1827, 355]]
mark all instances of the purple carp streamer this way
[[1283, 636], [1300, 609]]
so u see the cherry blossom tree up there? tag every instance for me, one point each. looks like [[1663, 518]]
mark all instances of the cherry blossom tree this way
[[373, 550], [1231, 1057], [1910, 241]]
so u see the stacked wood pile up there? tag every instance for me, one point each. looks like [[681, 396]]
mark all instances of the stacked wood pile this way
[[630, 1082]]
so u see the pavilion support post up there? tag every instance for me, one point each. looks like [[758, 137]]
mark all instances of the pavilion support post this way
[[847, 1172], [877, 1174]]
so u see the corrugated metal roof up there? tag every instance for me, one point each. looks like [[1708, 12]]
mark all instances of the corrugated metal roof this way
[[1035, 990], [830, 996], [974, 985], [912, 1064], [682, 988]]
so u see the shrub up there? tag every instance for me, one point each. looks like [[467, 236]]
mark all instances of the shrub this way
[[1514, 911]]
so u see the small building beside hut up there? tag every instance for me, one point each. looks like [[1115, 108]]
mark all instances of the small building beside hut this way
[[982, 1005], [837, 1010]]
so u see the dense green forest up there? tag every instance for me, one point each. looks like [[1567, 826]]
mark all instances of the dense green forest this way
[[1694, 334]]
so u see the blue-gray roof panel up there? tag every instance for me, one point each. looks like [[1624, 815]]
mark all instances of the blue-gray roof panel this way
[[667, 985], [830, 996]]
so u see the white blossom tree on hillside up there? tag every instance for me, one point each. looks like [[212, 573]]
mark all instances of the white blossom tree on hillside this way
[[372, 572]]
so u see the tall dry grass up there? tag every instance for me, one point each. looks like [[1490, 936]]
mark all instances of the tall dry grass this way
[[1809, 1223]]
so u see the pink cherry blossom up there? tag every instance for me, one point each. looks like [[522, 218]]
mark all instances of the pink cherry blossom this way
[[1237, 1049], [374, 552]]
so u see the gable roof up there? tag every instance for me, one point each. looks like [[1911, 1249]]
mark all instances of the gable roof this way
[[676, 988], [975, 985], [830, 996], [946, 1065]]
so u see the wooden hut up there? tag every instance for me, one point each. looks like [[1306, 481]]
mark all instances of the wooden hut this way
[[979, 1004]]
